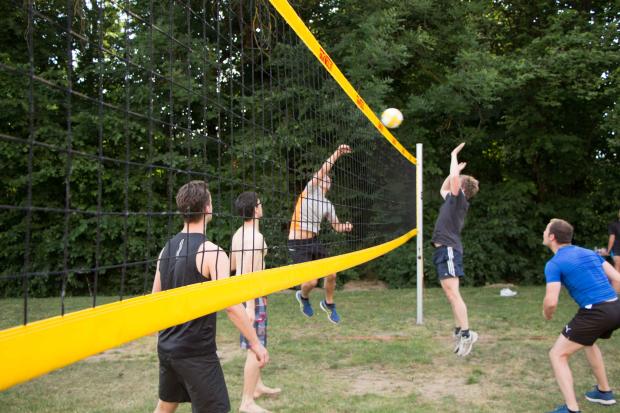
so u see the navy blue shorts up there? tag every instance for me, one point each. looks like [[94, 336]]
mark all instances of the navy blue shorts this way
[[448, 262]]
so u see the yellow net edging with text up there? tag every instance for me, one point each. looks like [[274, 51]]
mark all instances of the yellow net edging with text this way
[[302, 31], [29, 351]]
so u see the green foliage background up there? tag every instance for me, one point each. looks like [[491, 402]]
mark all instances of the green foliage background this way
[[531, 87]]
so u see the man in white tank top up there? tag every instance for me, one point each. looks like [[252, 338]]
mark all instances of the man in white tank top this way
[[303, 244]]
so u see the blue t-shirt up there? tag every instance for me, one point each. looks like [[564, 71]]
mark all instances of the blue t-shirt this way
[[581, 272]]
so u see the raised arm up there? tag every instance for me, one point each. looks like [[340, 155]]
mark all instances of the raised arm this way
[[452, 184], [327, 165]]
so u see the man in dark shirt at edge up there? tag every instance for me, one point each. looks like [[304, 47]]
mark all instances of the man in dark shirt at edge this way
[[189, 369], [456, 190]]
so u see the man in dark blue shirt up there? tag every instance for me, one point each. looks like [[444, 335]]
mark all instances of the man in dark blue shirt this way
[[456, 190], [613, 246], [587, 278]]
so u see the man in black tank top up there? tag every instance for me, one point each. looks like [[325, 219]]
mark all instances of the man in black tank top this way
[[456, 191], [189, 369]]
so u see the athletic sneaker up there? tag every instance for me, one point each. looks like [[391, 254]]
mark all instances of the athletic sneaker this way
[[467, 343], [562, 409], [330, 309], [597, 396], [304, 305], [457, 341]]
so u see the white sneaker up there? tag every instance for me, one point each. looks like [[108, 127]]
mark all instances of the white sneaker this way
[[457, 341], [466, 344], [507, 292]]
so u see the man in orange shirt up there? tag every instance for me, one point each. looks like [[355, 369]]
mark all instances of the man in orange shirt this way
[[303, 243]]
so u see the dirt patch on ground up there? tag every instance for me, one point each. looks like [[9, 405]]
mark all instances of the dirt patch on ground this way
[[375, 337], [365, 285], [140, 348], [147, 347], [227, 351], [454, 383], [377, 381]]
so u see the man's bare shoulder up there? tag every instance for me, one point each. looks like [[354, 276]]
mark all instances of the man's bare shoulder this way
[[209, 248], [236, 239]]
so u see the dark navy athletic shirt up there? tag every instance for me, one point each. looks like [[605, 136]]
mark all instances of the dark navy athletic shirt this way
[[450, 221], [177, 268], [581, 272], [614, 229]]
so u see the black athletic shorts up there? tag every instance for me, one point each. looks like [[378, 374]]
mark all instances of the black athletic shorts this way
[[199, 380], [588, 325], [448, 262], [303, 250]]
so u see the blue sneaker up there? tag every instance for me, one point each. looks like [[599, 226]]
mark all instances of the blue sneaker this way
[[597, 396], [330, 309], [562, 409], [304, 305]]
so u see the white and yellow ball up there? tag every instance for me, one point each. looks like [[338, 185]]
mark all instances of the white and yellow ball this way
[[392, 118]]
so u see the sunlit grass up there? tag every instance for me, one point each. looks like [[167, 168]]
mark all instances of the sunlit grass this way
[[377, 360]]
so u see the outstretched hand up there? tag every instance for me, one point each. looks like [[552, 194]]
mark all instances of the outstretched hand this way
[[342, 149], [456, 150]]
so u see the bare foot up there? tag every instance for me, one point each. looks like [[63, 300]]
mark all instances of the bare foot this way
[[266, 391], [252, 408]]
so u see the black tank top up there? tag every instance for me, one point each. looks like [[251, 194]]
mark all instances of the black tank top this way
[[177, 268]]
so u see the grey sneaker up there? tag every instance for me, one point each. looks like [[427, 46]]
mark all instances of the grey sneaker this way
[[466, 344], [457, 341]]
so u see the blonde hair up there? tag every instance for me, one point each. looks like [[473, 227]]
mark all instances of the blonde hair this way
[[470, 186]]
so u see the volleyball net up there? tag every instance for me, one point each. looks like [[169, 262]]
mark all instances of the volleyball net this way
[[111, 106]]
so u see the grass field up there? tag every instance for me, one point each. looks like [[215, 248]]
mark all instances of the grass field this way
[[377, 360]]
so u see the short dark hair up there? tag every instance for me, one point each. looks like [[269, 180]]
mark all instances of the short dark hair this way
[[245, 204], [192, 198], [469, 185], [562, 230]]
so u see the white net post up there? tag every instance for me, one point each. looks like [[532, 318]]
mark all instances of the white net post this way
[[419, 249]]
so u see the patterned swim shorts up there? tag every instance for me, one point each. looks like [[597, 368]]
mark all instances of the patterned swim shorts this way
[[260, 323]]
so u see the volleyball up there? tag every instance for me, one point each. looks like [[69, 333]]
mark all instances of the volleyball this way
[[391, 118]]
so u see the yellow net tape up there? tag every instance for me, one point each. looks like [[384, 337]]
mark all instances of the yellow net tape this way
[[29, 351], [302, 31]]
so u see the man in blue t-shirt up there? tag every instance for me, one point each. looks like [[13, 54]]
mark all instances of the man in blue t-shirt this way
[[456, 191], [587, 278]]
